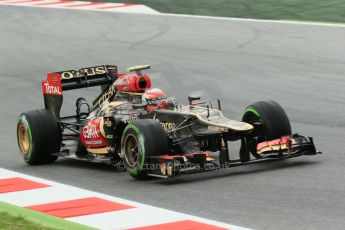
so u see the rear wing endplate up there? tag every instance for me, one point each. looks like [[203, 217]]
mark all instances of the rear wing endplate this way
[[57, 82]]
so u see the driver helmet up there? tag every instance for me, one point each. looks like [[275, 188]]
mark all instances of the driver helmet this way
[[155, 99], [154, 94]]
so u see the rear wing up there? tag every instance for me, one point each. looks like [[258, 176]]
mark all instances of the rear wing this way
[[57, 82]]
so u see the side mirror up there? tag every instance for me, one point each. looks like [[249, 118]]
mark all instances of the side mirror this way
[[195, 100]]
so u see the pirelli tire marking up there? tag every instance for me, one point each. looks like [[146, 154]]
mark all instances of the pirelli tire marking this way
[[167, 126], [130, 120]]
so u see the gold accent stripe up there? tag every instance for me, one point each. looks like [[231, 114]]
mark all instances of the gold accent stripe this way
[[101, 128], [272, 148], [98, 150]]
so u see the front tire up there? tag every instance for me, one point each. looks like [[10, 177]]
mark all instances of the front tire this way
[[141, 140], [275, 123], [38, 136]]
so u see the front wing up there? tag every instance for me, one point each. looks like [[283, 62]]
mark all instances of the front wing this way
[[169, 166]]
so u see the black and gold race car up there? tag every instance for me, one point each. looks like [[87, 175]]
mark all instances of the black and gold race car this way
[[148, 133]]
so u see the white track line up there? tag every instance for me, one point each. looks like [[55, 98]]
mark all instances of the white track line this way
[[43, 195], [140, 216], [259, 20]]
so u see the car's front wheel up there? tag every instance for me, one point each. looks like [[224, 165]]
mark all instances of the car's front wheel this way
[[141, 140], [275, 123]]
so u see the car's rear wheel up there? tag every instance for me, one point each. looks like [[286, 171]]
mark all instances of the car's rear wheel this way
[[141, 140], [38, 136], [275, 123]]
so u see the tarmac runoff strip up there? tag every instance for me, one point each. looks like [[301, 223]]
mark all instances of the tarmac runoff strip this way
[[39, 199], [81, 5]]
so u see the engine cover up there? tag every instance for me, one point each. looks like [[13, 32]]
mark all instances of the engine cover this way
[[133, 83]]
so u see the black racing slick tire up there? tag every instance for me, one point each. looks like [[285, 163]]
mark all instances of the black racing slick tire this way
[[38, 136], [140, 140], [275, 122]]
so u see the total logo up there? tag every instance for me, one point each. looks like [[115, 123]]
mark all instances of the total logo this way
[[50, 89], [90, 132]]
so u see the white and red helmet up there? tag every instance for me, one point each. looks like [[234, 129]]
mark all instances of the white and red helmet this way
[[154, 94]]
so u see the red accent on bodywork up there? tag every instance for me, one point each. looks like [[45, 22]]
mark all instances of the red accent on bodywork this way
[[279, 141], [189, 155], [52, 85], [133, 83], [181, 225], [91, 136], [154, 107], [79, 207], [167, 157], [199, 153], [151, 108], [17, 184]]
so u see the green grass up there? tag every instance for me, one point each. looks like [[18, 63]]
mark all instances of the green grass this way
[[306, 10], [10, 222], [13, 217]]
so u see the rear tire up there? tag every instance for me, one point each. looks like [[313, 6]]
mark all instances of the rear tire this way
[[38, 136], [140, 140], [275, 122]]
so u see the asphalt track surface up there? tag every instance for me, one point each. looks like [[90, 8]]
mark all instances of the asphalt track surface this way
[[300, 66]]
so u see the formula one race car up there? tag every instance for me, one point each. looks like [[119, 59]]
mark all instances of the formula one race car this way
[[147, 132]]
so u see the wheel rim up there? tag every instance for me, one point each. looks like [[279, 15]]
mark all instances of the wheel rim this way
[[24, 139], [132, 150]]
